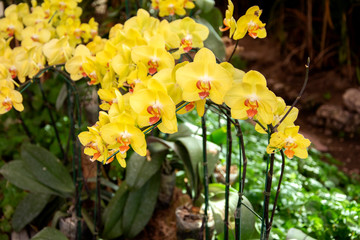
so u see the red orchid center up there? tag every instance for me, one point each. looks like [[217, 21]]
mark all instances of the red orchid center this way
[[289, 150], [155, 112], [13, 71], [7, 103], [205, 86], [253, 27], [153, 66], [186, 43], [124, 142], [252, 105]]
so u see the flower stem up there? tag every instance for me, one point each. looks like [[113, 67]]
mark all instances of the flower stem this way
[[278, 188], [53, 123], [206, 179], [300, 94], [234, 50], [227, 177]]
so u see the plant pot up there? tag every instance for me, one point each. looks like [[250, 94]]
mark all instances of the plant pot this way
[[189, 223]]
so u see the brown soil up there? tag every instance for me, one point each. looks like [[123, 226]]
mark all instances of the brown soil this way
[[285, 77]]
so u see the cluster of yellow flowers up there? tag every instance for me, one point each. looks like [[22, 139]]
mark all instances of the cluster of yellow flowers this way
[[137, 60], [249, 23], [45, 34], [143, 82], [172, 7]]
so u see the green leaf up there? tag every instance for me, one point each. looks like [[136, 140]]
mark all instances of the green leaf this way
[[205, 5], [16, 173], [140, 205], [112, 216], [219, 136], [61, 97], [215, 18], [49, 233], [28, 209], [213, 42], [217, 204], [190, 151], [139, 170], [47, 169]]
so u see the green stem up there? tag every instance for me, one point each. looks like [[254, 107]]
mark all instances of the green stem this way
[[299, 96], [53, 123], [26, 129], [264, 202], [234, 50], [206, 179], [278, 189], [227, 177], [267, 196]]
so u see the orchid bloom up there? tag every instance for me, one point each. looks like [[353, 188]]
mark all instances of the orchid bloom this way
[[251, 99], [294, 143], [250, 23], [229, 21], [203, 79]]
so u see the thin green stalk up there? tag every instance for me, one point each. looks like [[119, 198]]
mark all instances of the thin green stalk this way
[[206, 179], [53, 123], [278, 189], [242, 177], [267, 196], [238, 206], [24, 126], [300, 94], [266, 182], [252, 211], [234, 50], [127, 8], [227, 177]]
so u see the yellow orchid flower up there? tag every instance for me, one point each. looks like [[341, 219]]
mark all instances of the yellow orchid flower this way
[[93, 70], [229, 21], [192, 34], [35, 36], [10, 98], [280, 111], [105, 57], [57, 51], [74, 65], [171, 7], [204, 78], [252, 99], [121, 136], [137, 77], [153, 104], [251, 23], [154, 56], [36, 17], [6, 78], [171, 38], [122, 63], [10, 26], [21, 10], [108, 97], [28, 62], [142, 22], [96, 45], [188, 4], [94, 145], [294, 143]]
